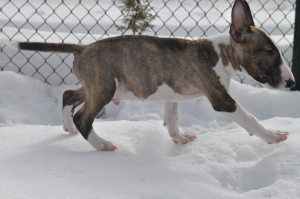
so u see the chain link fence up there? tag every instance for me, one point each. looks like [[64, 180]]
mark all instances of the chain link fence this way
[[86, 21]]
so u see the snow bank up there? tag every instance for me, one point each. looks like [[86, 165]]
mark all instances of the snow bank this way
[[25, 100], [39, 160]]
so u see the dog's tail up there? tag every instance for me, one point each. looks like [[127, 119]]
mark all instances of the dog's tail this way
[[48, 47]]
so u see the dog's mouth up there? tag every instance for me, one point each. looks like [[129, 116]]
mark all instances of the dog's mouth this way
[[277, 82], [273, 82]]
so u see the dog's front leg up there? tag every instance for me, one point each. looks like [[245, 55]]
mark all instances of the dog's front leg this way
[[171, 121], [251, 124]]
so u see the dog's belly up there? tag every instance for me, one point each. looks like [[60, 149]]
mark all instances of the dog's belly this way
[[163, 93]]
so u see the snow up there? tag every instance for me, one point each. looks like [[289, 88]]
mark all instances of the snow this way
[[39, 160]]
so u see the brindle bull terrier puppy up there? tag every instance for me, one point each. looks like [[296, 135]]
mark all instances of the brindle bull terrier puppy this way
[[171, 70]]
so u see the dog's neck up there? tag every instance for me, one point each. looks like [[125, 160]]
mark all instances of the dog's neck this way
[[228, 58], [223, 38]]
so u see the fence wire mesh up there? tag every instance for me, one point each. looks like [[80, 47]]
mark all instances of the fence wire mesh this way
[[86, 21]]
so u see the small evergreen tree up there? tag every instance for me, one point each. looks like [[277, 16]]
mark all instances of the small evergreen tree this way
[[136, 15]]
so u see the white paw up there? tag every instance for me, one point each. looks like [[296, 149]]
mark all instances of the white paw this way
[[70, 127], [99, 143], [182, 137], [274, 136]]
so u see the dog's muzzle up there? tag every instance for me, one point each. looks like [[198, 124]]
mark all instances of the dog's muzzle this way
[[290, 83], [277, 82], [272, 81]]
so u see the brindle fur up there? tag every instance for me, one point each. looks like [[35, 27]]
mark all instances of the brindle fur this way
[[228, 57], [74, 98], [176, 62], [46, 47]]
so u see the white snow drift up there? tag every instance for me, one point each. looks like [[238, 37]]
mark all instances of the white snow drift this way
[[39, 160]]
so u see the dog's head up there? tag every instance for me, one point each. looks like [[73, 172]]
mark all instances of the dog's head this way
[[257, 53]]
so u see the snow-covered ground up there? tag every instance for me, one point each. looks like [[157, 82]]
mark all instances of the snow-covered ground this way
[[39, 160]]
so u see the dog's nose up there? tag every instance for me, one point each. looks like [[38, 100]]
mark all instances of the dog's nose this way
[[290, 83]]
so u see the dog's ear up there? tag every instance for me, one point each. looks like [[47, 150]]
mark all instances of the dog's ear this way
[[248, 13], [241, 20]]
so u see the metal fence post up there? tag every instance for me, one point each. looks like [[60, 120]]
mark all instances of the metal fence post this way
[[296, 48]]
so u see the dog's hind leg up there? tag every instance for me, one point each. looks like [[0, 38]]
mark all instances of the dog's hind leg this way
[[97, 97], [71, 99], [171, 121]]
